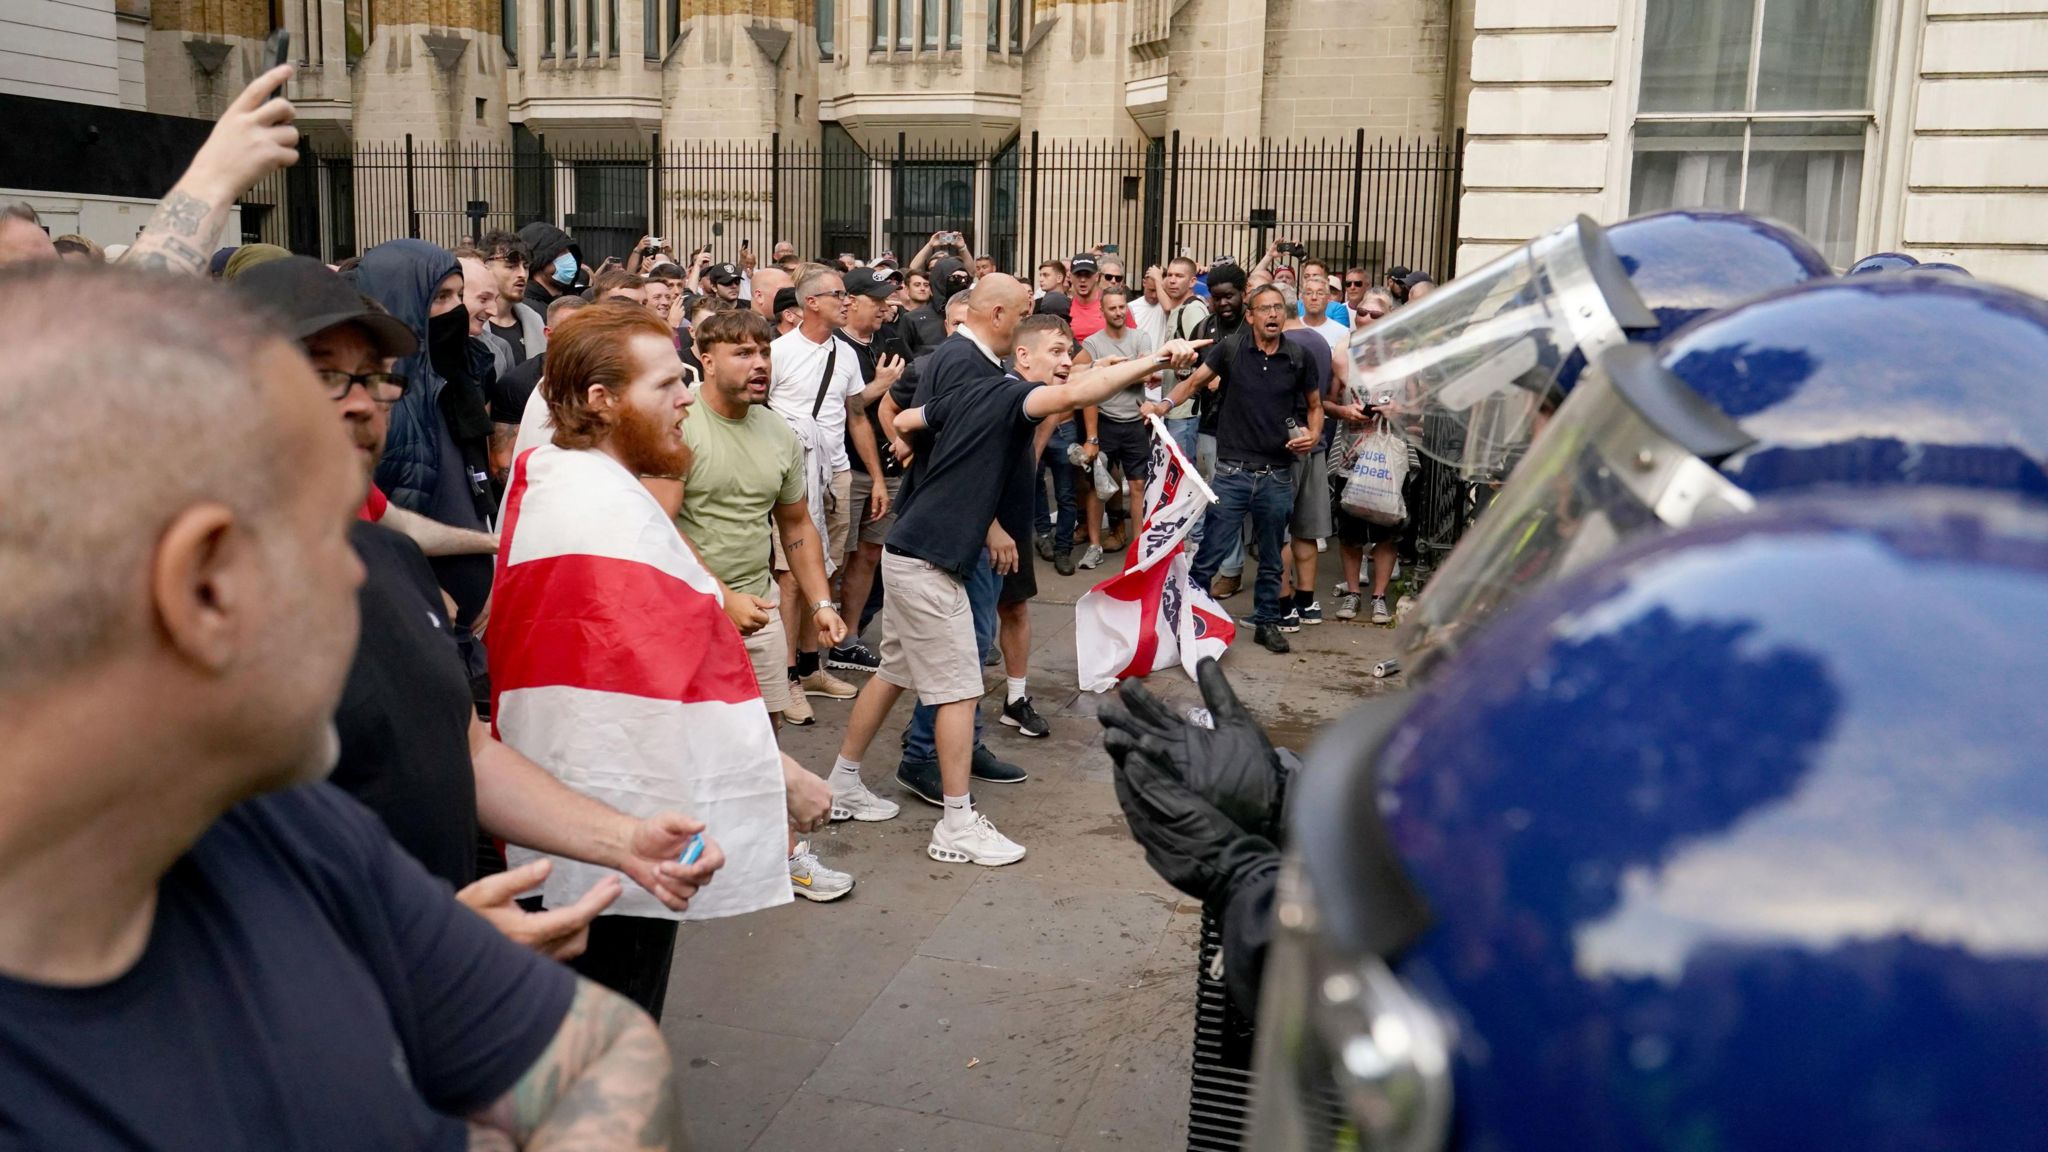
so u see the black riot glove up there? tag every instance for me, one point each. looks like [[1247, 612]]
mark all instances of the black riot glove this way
[[1191, 844], [1233, 766]]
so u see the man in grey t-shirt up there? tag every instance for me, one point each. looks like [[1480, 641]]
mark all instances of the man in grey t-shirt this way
[[1115, 428]]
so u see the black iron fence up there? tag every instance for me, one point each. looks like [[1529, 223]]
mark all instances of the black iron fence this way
[[1374, 203]]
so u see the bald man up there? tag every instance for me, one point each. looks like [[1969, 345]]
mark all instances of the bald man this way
[[972, 354], [181, 900], [767, 282], [22, 239]]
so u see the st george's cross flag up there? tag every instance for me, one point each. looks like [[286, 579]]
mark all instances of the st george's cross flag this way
[[614, 667], [1150, 615]]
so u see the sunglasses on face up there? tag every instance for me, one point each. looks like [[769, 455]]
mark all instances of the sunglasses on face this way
[[1354, 283], [383, 387], [1112, 277], [1370, 314]]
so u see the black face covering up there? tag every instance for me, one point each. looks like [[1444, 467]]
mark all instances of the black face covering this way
[[448, 343]]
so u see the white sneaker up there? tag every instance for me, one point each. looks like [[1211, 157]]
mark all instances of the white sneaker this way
[[978, 843], [857, 803], [811, 880], [1092, 558]]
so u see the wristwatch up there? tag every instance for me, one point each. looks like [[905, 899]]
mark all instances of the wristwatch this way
[[1095, 441], [821, 605]]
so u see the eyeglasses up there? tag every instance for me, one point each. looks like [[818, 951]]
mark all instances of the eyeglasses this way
[[1112, 277], [1268, 309], [1354, 283], [383, 387], [835, 293]]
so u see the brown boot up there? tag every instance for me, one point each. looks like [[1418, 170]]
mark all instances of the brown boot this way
[[1226, 586]]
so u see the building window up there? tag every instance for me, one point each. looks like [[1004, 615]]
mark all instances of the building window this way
[[1759, 105], [995, 25], [928, 31], [827, 13], [906, 23], [675, 24], [611, 27], [878, 16], [508, 19], [355, 30], [954, 18], [547, 31], [1017, 25]]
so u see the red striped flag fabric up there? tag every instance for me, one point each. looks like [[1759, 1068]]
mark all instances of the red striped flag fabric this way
[[1150, 615], [614, 667]]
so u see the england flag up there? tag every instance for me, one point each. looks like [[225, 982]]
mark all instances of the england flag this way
[[1150, 615], [614, 667]]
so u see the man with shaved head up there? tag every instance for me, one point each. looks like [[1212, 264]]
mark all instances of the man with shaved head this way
[[181, 900], [973, 354]]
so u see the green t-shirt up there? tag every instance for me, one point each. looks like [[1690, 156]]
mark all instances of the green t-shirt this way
[[742, 470]]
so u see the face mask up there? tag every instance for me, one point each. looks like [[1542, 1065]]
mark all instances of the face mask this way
[[564, 269], [448, 343]]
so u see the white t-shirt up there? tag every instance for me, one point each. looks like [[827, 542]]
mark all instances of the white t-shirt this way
[[1337, 334], [1147, 318], [795, 367]]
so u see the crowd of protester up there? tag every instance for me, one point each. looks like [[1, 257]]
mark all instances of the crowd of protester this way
[[716, 484]]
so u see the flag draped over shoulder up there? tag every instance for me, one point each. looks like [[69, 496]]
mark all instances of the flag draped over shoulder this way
[[614, 667], [1150, 615]]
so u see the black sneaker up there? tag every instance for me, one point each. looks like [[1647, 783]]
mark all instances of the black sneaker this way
[[990, 770], [1292, 621], [854, 657], [920, 778], [1063, 562], [1044, 545], [1313, 614], [1019, 714], [1268, 637]]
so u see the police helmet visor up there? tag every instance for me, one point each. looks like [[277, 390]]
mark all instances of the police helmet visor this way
[[1631, 450], [1350, 1055], [1465, 372]]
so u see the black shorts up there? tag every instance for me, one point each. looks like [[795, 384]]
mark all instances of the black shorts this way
[[1126, 444], [1023, 583], [1357, 532]]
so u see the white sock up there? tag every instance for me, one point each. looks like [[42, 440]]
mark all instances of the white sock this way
[[846, 775], [959, 812], [1017, 687]]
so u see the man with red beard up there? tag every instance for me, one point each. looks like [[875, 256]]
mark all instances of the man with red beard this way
[[613, 663]]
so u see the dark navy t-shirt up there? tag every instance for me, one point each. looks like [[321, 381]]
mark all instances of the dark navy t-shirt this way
[[981, 438], [306, 985]]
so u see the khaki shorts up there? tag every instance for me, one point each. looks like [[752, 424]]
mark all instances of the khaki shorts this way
[[768, 649], [928, 632], [874, 531], [838, 523]]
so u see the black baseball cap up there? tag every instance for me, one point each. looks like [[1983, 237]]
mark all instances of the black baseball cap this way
[[309, 297], [1085, 262], [723, 273], [1398, 272], [867, 282], [1055, 304], [785, 299]]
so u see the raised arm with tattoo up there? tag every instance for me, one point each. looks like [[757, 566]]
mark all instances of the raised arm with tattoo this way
[[252, 139], [605, 1082]]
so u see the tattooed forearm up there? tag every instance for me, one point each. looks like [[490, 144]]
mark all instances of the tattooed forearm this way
[[180, 236], [604, 1083]]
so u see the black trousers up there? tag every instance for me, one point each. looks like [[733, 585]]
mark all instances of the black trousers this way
[[631, 956]]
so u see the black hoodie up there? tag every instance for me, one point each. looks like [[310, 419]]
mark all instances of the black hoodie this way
[[546, 243]]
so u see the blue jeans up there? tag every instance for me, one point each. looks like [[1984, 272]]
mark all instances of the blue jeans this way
[[1268, 498], [1184, 432], [1062, 530], [983, 587]]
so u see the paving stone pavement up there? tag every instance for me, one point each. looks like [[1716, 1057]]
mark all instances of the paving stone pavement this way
[[1046, 1005]]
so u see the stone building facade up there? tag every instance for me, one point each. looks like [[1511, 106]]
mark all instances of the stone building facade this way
[[1871, 125]]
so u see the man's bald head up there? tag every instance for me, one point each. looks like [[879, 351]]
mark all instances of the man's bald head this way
[[999, 303], [176, 499], [767, 282], [22, 239]]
